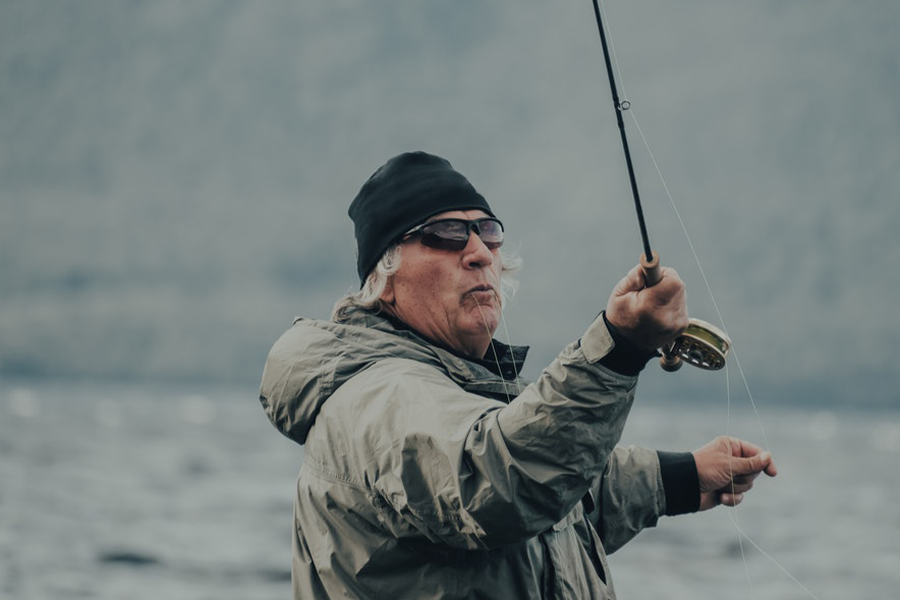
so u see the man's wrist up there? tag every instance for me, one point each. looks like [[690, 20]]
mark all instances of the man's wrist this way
[[681, 482], [626, 357]]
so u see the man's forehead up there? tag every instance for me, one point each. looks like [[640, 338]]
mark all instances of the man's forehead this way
[[459, 214]]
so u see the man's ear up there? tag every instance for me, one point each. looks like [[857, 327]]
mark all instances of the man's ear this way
[[387, 296]]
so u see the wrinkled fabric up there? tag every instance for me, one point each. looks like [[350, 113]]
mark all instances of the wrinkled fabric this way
[[425, 475]]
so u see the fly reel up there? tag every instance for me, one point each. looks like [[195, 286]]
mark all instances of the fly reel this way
[[702, 345]]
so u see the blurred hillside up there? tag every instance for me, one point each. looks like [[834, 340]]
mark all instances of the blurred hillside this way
[[174, 176]]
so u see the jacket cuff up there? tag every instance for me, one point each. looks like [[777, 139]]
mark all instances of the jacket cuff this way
[[597, 342], [680, 482], [625, 358]]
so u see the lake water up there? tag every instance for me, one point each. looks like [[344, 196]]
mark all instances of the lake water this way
[[140, 492]]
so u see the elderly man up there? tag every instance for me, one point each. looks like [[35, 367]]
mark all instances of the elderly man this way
[[430, 469]]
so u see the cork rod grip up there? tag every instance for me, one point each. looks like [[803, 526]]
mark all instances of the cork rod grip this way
[[652, 273]]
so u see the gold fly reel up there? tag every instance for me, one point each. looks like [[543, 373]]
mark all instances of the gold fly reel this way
[[702, 345]]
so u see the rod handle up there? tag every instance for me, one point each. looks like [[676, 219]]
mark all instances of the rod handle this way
[[670, 361], [652, 273]]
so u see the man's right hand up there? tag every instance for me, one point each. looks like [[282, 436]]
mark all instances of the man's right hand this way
[[649, 317]]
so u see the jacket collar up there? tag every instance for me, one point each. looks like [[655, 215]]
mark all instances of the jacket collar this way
[[501, 359], [495, 374]]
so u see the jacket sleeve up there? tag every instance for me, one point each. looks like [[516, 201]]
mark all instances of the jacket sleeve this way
[[637, 487], [628, 497], [472, 472]]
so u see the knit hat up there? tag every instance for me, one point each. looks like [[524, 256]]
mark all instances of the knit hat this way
[[402, 193]]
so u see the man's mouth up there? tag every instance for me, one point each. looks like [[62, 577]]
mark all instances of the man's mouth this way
[[481, 288], [484, 293]]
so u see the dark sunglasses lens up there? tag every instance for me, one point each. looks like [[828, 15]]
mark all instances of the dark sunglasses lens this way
[[491, 233], [435, 241], [453, 234], [446, 235]]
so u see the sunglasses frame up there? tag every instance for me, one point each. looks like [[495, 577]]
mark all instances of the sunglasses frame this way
[[433, 240]]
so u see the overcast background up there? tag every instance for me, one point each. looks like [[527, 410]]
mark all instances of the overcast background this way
[[174, 176], [174, 179]]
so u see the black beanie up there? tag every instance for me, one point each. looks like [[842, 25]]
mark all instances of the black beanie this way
[[404, 192]]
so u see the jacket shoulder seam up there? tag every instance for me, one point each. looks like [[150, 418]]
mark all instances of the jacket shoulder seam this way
[[318, 469]]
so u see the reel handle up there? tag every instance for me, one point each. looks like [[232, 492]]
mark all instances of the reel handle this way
[[670, 361]]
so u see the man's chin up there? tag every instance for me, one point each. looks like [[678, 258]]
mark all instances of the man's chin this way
[[484, 298], [485, 321]]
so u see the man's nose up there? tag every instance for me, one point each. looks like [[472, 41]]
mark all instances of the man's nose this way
[[476, 254]]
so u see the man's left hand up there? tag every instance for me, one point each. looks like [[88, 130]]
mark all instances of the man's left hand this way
[[727, 467]]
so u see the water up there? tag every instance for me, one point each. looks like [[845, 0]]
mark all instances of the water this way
[[830, 518], [135, 492], [112, 492]]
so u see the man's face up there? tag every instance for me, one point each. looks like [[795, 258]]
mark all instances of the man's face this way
[[450, 297]]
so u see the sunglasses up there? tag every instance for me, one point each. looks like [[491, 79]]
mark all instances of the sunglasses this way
[[453, 234]]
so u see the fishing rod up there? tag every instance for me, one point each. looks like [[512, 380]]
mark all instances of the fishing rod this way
[[702, 344]]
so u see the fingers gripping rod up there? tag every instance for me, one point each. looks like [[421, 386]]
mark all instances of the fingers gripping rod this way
[[702, 344]]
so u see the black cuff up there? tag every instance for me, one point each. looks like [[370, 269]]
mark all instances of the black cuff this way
[[625, 358], [680, 482]]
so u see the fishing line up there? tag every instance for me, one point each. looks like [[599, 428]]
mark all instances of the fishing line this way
[[733, 517], [703, 276], [494, 348], [625, 106], [511, 356], [775, 562]]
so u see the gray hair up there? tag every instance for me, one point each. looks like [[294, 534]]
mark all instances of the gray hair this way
[[369, 296]]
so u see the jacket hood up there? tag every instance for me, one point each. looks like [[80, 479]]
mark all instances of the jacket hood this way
[[313, 358]]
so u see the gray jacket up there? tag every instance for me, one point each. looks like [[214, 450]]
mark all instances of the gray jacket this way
[[426, 475]]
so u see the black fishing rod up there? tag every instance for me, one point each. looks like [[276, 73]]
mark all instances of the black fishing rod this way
[[702, 344], [650, 261]]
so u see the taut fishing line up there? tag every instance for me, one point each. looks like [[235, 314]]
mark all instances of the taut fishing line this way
[[626, 106], [494, 348]]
